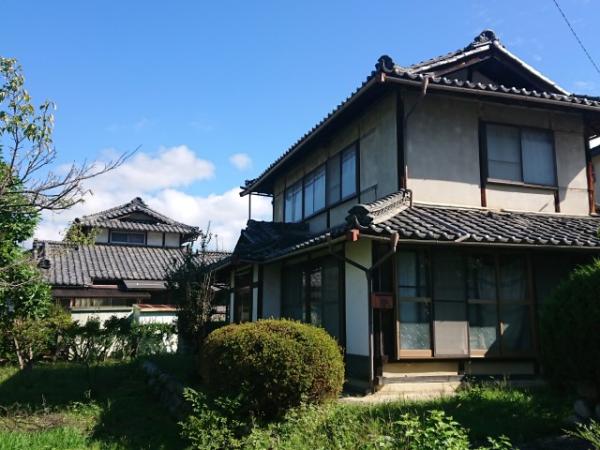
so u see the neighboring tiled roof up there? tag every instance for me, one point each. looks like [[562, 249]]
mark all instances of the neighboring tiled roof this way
[[64, 264], [418, 73], [113, 218], [454, 224]]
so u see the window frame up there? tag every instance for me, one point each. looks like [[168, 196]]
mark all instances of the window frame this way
[[354, 147], [521, 182], [322, 167], [299, 183], [529, 301], [127, 233]]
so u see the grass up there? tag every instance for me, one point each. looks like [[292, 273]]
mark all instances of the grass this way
[[65, 406]]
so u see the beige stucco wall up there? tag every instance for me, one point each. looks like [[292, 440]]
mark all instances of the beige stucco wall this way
[[154, 239], [442, 154], [171, 240], [375, 130]]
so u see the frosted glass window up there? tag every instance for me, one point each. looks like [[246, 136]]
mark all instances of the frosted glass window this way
[[504, 152], [412, 274], [415, 318], [521, 154], [483, 326], [538, 157]]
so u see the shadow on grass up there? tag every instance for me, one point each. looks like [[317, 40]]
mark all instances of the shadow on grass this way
[[127, 417]]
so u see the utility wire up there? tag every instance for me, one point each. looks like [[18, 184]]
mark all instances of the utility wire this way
[[577, 37]]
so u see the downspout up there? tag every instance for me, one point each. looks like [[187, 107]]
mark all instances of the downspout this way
[[393, 240]]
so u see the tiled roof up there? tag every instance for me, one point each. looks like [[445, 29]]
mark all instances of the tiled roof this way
[[419, 73], [261, 241], [115, 218], [64, 264], [454, 224]]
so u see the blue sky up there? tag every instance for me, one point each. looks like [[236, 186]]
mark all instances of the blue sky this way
[[194, 83]]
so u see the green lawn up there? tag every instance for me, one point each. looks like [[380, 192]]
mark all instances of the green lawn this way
[[64, 406]]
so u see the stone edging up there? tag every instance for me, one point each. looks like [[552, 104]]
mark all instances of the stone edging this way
[[167, 389]]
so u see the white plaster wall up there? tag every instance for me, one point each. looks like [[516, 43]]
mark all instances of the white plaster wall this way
[[357, 303], [102, 236], [272, 290], [154, 239], [596, 162], [171, 240], [82, 316]]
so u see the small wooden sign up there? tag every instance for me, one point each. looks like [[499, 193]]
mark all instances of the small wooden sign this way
[[382, 300]]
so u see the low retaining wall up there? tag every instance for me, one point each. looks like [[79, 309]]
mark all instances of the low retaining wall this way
[[167, 389]]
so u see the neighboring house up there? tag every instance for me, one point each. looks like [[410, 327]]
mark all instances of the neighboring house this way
[[425, 219], [124, 272]]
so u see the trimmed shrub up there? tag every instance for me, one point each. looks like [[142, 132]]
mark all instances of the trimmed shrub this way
[[570, 329], [273, 365]]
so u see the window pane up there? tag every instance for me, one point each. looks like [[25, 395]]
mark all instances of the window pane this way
[[516, 334], [513, 279], [315, 285], [414, 325], [118, 237], [135, 238], [449, 277], [538, 157], [483, 322], [349, 172], [319, 190], [293, 203], [503, 152], [412, 274], [333, 180], [482, 277], [314, 191]]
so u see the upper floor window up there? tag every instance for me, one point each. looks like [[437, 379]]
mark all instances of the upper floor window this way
[[118, 237], [342, 175], [335, 181], [519, 154], [314, 191], [293, 202]]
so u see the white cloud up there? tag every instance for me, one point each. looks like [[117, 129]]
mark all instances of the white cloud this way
[[159, 180], [241, 161]]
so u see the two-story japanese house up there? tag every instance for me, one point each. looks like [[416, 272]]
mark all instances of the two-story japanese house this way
[[424, 221]]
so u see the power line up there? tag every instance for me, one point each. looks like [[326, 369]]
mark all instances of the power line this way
[[577, 37]]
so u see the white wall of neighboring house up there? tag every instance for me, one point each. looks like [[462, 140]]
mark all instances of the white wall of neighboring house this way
[[102, 236], [154, 239], [171, 240]]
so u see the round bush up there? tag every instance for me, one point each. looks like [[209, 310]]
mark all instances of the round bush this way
[[570, 329], [273, 365]]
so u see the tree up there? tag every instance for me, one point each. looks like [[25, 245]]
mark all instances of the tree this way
[[28, 186], [27, 150], [191, 288]]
